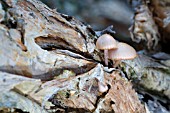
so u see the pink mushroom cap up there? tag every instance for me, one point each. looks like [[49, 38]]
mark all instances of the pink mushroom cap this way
[[123, 52], [106, 42]]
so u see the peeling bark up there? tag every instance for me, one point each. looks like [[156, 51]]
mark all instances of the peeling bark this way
[[51, 59]]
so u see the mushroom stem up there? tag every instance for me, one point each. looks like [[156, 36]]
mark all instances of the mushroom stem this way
[[116, 63], [106, 57]]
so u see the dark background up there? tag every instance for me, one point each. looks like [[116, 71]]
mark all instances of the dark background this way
[[98, 14]]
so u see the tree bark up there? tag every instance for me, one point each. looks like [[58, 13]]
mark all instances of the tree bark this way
[[50, 63]]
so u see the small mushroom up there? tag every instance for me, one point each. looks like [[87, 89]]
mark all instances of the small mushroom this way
[[106, 42], [123, 52], [72, 92], [102, 87]]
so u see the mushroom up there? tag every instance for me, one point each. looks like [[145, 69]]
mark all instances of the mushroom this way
[[102, 87], [123, 52], [106, 42]]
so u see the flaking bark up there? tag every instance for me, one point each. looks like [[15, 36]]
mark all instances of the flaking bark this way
[[58, 54]]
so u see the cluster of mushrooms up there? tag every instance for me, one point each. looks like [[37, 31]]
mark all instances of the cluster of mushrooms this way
[[115, 51]]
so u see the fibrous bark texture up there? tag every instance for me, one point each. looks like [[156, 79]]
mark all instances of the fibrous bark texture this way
[[49, 63]]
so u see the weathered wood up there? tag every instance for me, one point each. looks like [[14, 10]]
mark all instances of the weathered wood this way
[[149, 76], [31, 55], [151, 24], [42, 44]]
